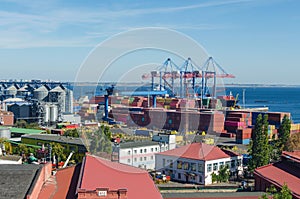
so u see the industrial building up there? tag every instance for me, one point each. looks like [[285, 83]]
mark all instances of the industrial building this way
[[37, 101]]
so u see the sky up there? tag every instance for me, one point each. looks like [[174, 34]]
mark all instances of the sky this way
[[256, 40]]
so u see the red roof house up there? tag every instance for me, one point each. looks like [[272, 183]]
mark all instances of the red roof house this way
[[194, 163], [100, 177]]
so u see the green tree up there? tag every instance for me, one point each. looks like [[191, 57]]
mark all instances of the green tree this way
[[224, 174], [58, 150], [284, 133], [259, 147], [285, 193], [101, 140], [71, 133], [272, 192]]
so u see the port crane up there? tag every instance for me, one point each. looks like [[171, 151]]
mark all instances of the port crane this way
[[189, 75]]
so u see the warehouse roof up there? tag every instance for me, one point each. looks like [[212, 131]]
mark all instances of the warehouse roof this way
[[281, 173], [16, 180], [55, 138], [294, 155], [197, 151], [126, 145], [26, 131], [101, 173]]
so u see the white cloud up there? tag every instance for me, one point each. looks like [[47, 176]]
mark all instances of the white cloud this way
[[40, 28]]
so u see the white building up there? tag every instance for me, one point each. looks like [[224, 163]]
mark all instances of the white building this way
[[195, 163], [138, 154], [169, 140]]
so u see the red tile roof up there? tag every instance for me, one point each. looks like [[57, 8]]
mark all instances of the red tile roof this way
[[280, 173], [295, 155], [101, 173], [197, 151], [62, 185]]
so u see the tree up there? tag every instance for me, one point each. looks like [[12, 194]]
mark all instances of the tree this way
[[259, 147], [101, 140], [71, 133], [272, 192], [58, 150], [293, 142], [284, 133], [222, 176]]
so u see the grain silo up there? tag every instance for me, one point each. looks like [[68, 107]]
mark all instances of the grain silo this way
[[11, 91], [41, 93], [58, 95]]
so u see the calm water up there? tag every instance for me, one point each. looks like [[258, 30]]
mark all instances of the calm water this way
[[278, 99], [281, 99]]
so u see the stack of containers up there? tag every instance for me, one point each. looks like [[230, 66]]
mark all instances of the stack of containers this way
[[211, 121], [138, 101], [125, 101], [160, 102], [187, 103], [175, 104], [119, 114], [272, 132], [295, 128], [243, 136], [237, 120], [167, 103], [275, 118]]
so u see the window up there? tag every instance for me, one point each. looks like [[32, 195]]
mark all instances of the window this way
[[228, 164], [186, 166], [152, 150], [215, 166], [141, 159], [179, 164], [179, 175], [135, 159], [232, 163], [193, 166], [156, 149], [209, 168], [171, 164], [129, 152], [135, 151], [128, 160], [152, 157], [200, 167], [141, 150], [145, 158], [221, 165], [164, 162], [145, 150]]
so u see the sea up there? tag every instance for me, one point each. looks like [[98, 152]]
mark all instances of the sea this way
[[276, 98]]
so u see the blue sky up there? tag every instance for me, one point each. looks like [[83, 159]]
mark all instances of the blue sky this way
[[256, 40]]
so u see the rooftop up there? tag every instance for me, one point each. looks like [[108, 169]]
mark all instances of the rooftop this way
[[16, 180], [26, 131], [55, 138], [125, 145], [62, 185], [280, 173], [294, 155], [197, 151], [101, 173]]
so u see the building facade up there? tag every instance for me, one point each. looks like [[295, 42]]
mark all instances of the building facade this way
[[195, 163], [138, 154]]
